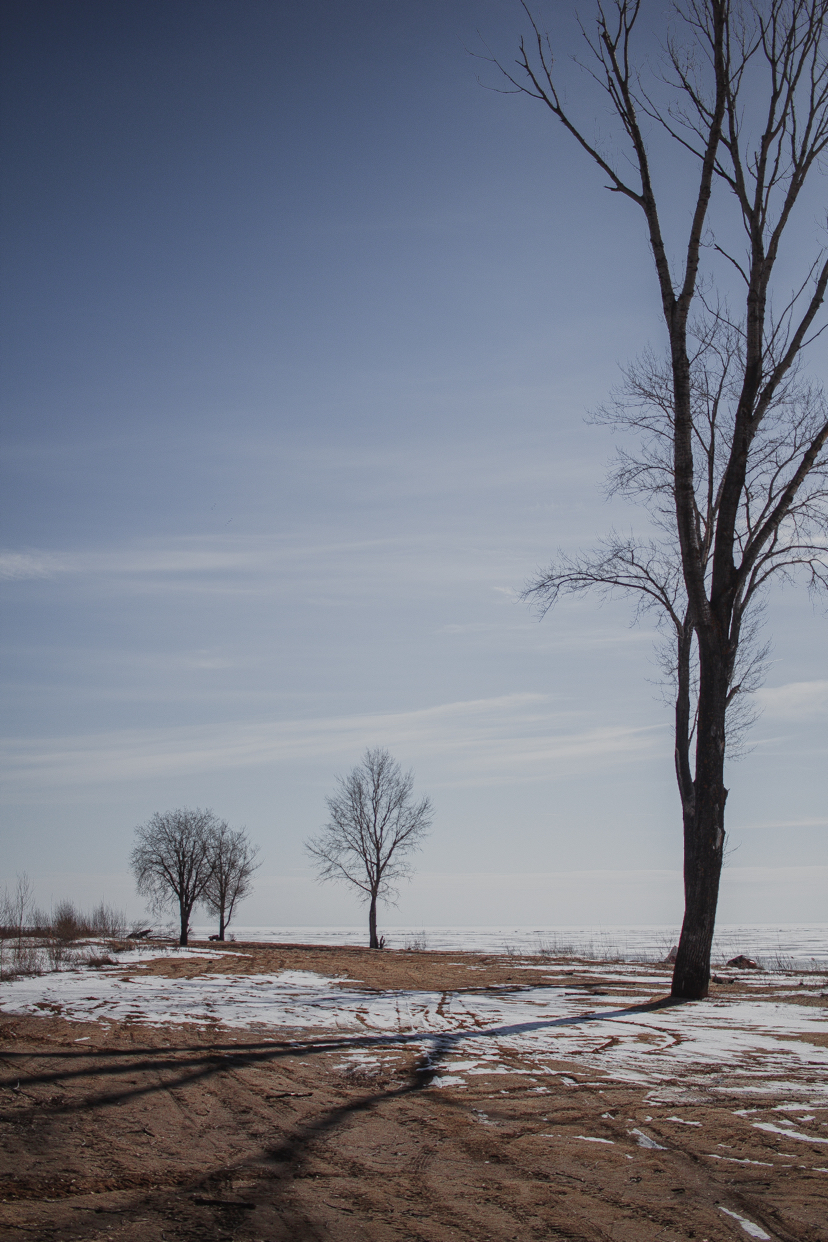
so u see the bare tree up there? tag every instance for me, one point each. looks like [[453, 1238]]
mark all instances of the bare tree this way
[[732, 455], [173, 860], [15, 912], [14, 906], [373, 828], [233, 861]]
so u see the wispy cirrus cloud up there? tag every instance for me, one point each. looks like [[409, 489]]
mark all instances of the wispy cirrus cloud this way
[[489, 741], [418, 556], [331, 571], [795, 700], [183, 559], [29, 564]]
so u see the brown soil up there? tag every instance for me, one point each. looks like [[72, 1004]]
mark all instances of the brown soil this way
[[190, 1133]]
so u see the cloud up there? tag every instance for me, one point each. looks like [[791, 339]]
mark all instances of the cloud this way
[[188, 558], [795, 700], [28, 564], [244, 563], [489, 741]]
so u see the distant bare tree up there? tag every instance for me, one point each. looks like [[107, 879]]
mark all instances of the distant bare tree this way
[[373, 828], [233, 861], [173, 861], [732, 453], [15, 911], [14, 907], [16, 904]]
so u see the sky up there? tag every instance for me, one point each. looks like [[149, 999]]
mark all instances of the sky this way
[[303, 319]]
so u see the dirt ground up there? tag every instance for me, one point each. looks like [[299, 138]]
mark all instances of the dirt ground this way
[[197, 1132]]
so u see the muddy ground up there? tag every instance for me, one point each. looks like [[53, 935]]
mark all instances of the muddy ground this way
[[193, 1132]]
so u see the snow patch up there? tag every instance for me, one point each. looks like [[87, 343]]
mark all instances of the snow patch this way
[[644, 1140], [794, 1134], [755, 1231]]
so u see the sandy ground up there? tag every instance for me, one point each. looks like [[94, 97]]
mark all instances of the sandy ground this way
[[202, 1130]]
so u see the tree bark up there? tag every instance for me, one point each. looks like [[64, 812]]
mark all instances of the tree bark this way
[[185, 924], [221, 923], [704, 830], [373, 942]]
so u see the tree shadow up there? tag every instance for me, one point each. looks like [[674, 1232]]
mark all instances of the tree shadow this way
[[188, 1065], [273, 1165]]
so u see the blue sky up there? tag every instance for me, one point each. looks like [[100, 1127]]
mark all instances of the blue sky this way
[[301, 327]]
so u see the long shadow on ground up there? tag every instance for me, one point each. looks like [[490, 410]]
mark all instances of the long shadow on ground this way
[[183, 1065], [190, 1066]]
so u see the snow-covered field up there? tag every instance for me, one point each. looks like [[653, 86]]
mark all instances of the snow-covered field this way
[[762, 1042]]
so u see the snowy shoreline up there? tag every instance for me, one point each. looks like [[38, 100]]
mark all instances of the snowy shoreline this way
[[797, 946]]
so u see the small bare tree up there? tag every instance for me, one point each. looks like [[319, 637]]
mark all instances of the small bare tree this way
[[374, 826], [732, 456], [173, 861], [233, 861], [13, 906]]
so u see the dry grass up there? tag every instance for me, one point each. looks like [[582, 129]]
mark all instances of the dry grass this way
[[32, 942]]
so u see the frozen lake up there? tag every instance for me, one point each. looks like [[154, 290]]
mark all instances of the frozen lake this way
[[800, 945]]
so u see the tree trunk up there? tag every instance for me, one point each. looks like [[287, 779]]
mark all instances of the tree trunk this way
[[221, 923], [704, 832], [373, 942], [185, 924]]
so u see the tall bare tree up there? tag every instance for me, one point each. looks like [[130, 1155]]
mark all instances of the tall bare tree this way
[[374, 826], [232, 862], [732, 458], [172, 861]]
